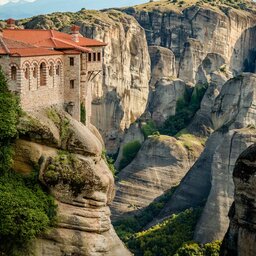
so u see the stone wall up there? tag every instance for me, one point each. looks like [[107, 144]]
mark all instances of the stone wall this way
[[72, 92], [34, 95]]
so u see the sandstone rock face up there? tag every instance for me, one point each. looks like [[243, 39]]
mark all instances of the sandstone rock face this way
[[77, 177], [193, 32], [126, 75], [164, 99], [241, 235], [208, 183], [160, 164], [120, 92], [162, 64]]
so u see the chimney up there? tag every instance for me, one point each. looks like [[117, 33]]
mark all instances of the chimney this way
[[75, 33], [10, 23]]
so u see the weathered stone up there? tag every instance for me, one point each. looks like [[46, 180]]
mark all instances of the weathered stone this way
[[81, 183], [160, 164], [241, 235]]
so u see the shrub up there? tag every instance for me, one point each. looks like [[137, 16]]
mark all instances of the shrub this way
[[109, 161], [167, 237], [148, 129], [130, 150], [25, 209], [185, 111]]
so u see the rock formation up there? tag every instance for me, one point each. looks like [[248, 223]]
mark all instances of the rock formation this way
[[209, 182], [69, 157], [241, 235], [120, 93], [194, 29], [160, 165]]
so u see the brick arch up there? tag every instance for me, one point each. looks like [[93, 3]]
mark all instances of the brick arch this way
[[26, 64], [43, 61], [14, 64], [59, 60], [13, 70]]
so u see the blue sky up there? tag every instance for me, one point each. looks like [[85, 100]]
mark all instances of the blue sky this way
[[27, 8]]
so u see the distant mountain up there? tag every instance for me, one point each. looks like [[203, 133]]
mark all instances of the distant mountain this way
[[25, 9]]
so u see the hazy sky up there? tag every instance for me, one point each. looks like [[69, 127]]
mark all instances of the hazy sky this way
[[26, 8]]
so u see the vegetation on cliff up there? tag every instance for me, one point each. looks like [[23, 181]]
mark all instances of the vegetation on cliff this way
[[186, 108], [179, 5], [130, 150], [26, 210]]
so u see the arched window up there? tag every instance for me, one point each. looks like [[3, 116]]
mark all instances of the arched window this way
[[51, 70], [26, 72], [58, 70], [43, 74], [35, 71], [13, 73]]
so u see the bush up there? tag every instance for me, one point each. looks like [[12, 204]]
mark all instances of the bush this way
[[185, 111], [130, 150], [148, 129], [167, 237], [194, 249], [25, 209], [109, 161]]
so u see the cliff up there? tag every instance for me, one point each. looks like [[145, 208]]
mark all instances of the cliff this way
[[204, 44], [69, 158], [195, 29], [240, 238], [120, 92]]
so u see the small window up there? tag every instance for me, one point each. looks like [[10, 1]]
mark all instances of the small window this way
[[72, 84], [89, 57], [14, 73], [58, 70], [94, 56], [35, 71], [72, 61], [51, 70], [99, 56], [26, 73]]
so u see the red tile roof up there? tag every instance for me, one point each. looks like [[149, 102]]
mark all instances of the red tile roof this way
[[46, 38], [17, 48], [32, 42]]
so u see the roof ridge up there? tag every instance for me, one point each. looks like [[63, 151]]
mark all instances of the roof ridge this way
[[74, 45]]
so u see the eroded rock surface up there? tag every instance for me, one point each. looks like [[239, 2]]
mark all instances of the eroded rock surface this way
[[69, 157], [160, 164], [241, 235]]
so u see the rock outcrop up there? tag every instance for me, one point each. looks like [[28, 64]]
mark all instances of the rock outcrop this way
[[162, 64], [120, 93], [69, 157], [241, 235], [193, 29], [164, 98], [160, 165], [209, 183]]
